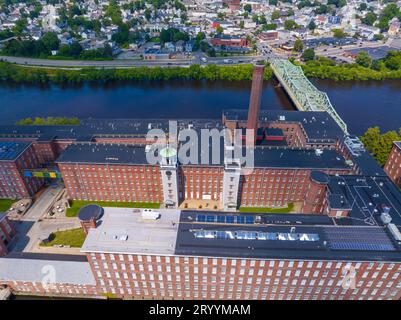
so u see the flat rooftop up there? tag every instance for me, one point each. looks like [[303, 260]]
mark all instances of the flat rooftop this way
[[264, 156], [10, 151], [318, 126], [271, 157], [367, 195], [122, 230], [95, 153], [247, 235], [33, 270], [89, 129]]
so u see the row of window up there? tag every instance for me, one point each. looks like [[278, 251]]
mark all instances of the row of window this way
[[243, 262]]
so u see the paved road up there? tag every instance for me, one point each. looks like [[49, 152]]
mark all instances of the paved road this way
[[28, 227], [121, 63]]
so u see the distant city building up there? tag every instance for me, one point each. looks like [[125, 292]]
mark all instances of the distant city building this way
[[224, 40], [270, 35]]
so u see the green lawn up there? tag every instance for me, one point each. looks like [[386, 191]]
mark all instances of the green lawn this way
[[268, 210], [5, 204], [78, 204], [74, 238]]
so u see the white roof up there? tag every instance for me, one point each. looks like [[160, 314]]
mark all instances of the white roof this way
[[122, 230], [36, 270]]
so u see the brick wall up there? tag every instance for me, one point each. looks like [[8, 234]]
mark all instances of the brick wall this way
[[173, 277], [393, 165], [133, 183]]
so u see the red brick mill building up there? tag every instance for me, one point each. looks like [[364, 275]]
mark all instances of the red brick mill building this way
[[7, 233], [343, 240], [205, 255], [14, 158], [393, 164]]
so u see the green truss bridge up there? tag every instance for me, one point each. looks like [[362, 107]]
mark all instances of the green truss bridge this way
[[303, 93]]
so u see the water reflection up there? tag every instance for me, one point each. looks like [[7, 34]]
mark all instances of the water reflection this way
[[361, 104]]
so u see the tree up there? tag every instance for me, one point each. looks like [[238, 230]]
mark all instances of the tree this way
[[219, 30], [275, 15], [200, 36], [270, 26], [273, 2], [248, 7], [174, 35], [75, 49], [379, 145], [211, 52], [363, 6], [51, 41], [5, 34], [339, 33], [312, 25], [337, 3], [148, 14], [298, 45], [391, 11], [308, 55], [20, 26], [393, 62], [321, 9], [242, 24], [122, 34], [35, 12], [290, 25], [363, 59], [369, 19], [383, 24]]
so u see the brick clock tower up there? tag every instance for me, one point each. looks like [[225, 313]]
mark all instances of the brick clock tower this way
[[169, 175]]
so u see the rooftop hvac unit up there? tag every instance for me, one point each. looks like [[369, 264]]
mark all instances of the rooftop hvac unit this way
[[385, 218], [318, 152], [148, 214], [394, 231]]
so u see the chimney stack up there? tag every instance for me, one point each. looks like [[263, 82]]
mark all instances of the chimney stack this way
[[256, 98]]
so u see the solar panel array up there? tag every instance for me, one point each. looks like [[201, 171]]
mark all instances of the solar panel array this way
[[358, 238], [225, 219], [10, 150], [255, 235]]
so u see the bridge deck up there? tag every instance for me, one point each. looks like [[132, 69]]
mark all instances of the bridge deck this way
[[303, 93]]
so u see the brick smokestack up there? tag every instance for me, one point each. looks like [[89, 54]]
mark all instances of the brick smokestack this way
[[256, 98]]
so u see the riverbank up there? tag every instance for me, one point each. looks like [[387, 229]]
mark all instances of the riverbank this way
[[348, 72], [364, 68], [20, 74]]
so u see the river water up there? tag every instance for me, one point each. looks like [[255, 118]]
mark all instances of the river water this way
[[360, 104]]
